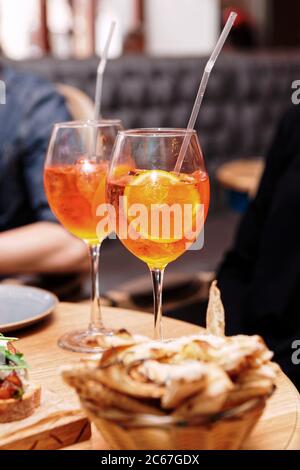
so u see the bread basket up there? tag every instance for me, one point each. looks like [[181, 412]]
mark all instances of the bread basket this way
[[227, 430], [200, 392]]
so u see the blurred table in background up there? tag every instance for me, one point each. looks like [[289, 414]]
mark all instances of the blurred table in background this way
[[241, 178]]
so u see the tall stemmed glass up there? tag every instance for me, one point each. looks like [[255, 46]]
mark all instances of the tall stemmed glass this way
[[75, 182], [159, 213]]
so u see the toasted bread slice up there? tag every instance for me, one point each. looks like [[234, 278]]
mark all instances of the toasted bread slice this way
[[15, 410]]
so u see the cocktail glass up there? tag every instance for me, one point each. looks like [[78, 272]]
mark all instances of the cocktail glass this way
[[159, 213], [75, 182]]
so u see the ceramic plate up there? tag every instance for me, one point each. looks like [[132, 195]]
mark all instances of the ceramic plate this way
[[22, 306]]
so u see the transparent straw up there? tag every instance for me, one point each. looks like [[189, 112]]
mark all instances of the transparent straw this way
[[208, 68], [100, 72]]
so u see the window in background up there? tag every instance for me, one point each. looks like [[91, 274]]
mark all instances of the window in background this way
[[124, 12], [60, 27], [181, 28], [84, 14], [20, 28]]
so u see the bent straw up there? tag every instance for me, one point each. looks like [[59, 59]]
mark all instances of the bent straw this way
[[202, 87], [100, 72]]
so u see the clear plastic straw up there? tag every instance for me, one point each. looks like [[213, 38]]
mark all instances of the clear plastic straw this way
[[100, 72], [208, 68]]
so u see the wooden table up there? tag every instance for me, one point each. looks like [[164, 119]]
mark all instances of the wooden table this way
[[279, 427], [242, 176]]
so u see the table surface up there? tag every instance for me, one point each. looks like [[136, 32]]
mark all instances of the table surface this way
[[279, 427], [241, 175]]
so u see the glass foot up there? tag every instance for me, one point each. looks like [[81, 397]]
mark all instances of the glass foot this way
[[85, 341]]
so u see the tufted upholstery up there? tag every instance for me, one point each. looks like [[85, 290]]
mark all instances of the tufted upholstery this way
[[245, 97]]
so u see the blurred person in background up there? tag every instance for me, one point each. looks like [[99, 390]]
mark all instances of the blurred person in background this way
[[31, 241], [260, 276], [243, 34]]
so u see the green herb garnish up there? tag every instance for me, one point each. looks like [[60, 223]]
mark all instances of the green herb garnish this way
[[8, 357]]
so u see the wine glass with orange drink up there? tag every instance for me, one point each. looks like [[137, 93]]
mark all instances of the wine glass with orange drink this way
[[75, 182], [159, 212]]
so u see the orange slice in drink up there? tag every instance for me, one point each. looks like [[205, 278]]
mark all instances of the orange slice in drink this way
[[122, 170], [163, 198]]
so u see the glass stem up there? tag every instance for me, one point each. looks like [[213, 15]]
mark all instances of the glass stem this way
[[157, 276], [96, 322]]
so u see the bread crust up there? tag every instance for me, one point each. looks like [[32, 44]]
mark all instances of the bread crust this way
[[16, 410]]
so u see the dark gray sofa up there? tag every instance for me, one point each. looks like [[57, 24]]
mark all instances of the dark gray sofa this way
[[246, 95]]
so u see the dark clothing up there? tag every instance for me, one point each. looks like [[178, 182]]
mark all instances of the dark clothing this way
[[260, 277], [26, 120]]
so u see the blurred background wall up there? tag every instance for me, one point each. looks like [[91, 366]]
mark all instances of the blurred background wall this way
[[77, 28]]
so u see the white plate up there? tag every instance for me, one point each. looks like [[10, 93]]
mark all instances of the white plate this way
[[22, 306]]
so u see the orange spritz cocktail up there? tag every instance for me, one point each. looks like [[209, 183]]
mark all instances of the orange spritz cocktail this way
[[74, 192], [160, 213], [75, 175]]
